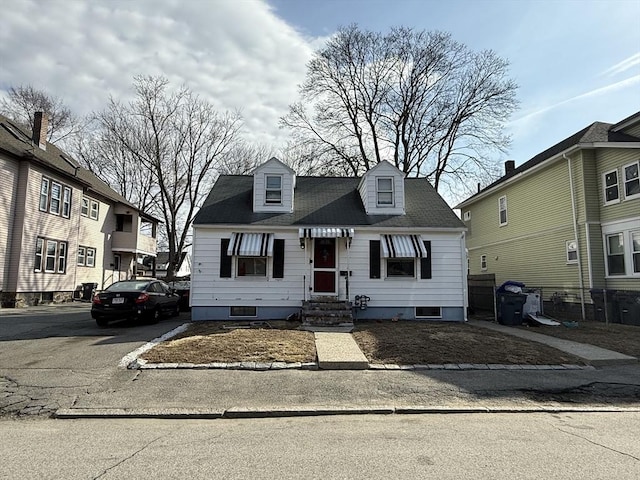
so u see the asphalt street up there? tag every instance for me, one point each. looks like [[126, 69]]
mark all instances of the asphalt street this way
[[56, 360], [481, 446]]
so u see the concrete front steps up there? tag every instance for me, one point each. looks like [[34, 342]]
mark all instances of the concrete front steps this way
[[326, 312]]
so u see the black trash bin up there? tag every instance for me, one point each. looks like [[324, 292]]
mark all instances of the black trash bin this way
[[628, 311], [87, 290], [509, 307], [598, 297]]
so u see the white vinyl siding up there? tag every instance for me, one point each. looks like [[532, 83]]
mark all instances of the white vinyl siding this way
[[382, 190], [445, 288], [268, 196]]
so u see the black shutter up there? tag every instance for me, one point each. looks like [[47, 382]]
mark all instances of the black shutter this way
[[425, 263], [278, 258], [225, 260], [374, 258]]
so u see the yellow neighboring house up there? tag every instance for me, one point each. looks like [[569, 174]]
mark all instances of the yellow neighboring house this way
[[567, 220]]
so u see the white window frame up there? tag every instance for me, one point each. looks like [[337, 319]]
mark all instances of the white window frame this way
[[609, 254], [66, 202], [55, 200], [606, 187], [39, 254], [44, 194], [268, 189], [385, 191], [571, 246], [411, 261], [636, 179], [94, 210], [90, 260], [483, 263], [501, 209], [466, 216], [81, 256], [47, 256], [84, 209], [242, 258], [62, 257], [635, 251]]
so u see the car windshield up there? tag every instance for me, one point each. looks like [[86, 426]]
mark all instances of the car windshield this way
[[127, 286]]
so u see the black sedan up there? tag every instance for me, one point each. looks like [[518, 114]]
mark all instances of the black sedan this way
[[144, 298]]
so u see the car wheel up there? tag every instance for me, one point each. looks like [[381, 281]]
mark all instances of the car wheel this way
[[154, 315], [102, 322]]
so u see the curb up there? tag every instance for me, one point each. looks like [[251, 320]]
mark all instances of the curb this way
[[303, 411]]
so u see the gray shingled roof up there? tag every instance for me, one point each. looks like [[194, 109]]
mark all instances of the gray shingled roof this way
[[597, 132], [330, 201], [16, 141]]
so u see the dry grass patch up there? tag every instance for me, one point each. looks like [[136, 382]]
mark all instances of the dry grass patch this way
[[211, 342], [430, 342], [615, 336]]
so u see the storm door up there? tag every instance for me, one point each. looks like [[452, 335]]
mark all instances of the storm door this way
[[324, 266]]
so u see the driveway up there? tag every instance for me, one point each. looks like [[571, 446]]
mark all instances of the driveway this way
[[50, 355]]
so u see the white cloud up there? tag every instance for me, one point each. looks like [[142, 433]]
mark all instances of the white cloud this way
[[623, 84], [237, 54], [624, 65]]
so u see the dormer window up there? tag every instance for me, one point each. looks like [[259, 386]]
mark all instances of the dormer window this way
[[273, 192], [384, 191]]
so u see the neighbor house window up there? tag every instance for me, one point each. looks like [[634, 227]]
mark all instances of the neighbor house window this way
[[39, 252], [502, 210], [252, 266], [635, 251], [572, 251], [384, 191], [66, 202], [401, 267], [467, 216], [90, 208], [611, 191], [274, 189], [243, 311], [44, 194], [615, 254], [86, 256], [54, 198], [483, 262], [50, 256], [632, 180], [428, 312]]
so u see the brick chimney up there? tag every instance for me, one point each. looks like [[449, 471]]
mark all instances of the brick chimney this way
[[509, 166], [40, 127]]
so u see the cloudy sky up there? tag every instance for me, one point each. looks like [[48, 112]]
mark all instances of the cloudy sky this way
[[576, 61]]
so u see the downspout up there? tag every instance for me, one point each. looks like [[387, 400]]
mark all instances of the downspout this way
[[575, 233], [465, 291]]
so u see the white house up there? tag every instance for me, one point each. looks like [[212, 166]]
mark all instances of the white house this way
[[265, 243]]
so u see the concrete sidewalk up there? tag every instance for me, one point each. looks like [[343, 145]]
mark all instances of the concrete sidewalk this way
[[591, 354]]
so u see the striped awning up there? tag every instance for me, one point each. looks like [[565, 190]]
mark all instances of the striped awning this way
[[325, 232], [251, 244], [403, 246]]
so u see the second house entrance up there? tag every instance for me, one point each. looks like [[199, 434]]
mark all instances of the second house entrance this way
[[324, 266]]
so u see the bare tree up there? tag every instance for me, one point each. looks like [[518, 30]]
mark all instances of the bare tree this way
[[161, 151], [23, 101], [428, 104]]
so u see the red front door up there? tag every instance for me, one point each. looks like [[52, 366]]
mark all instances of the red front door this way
[[324, 265]]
